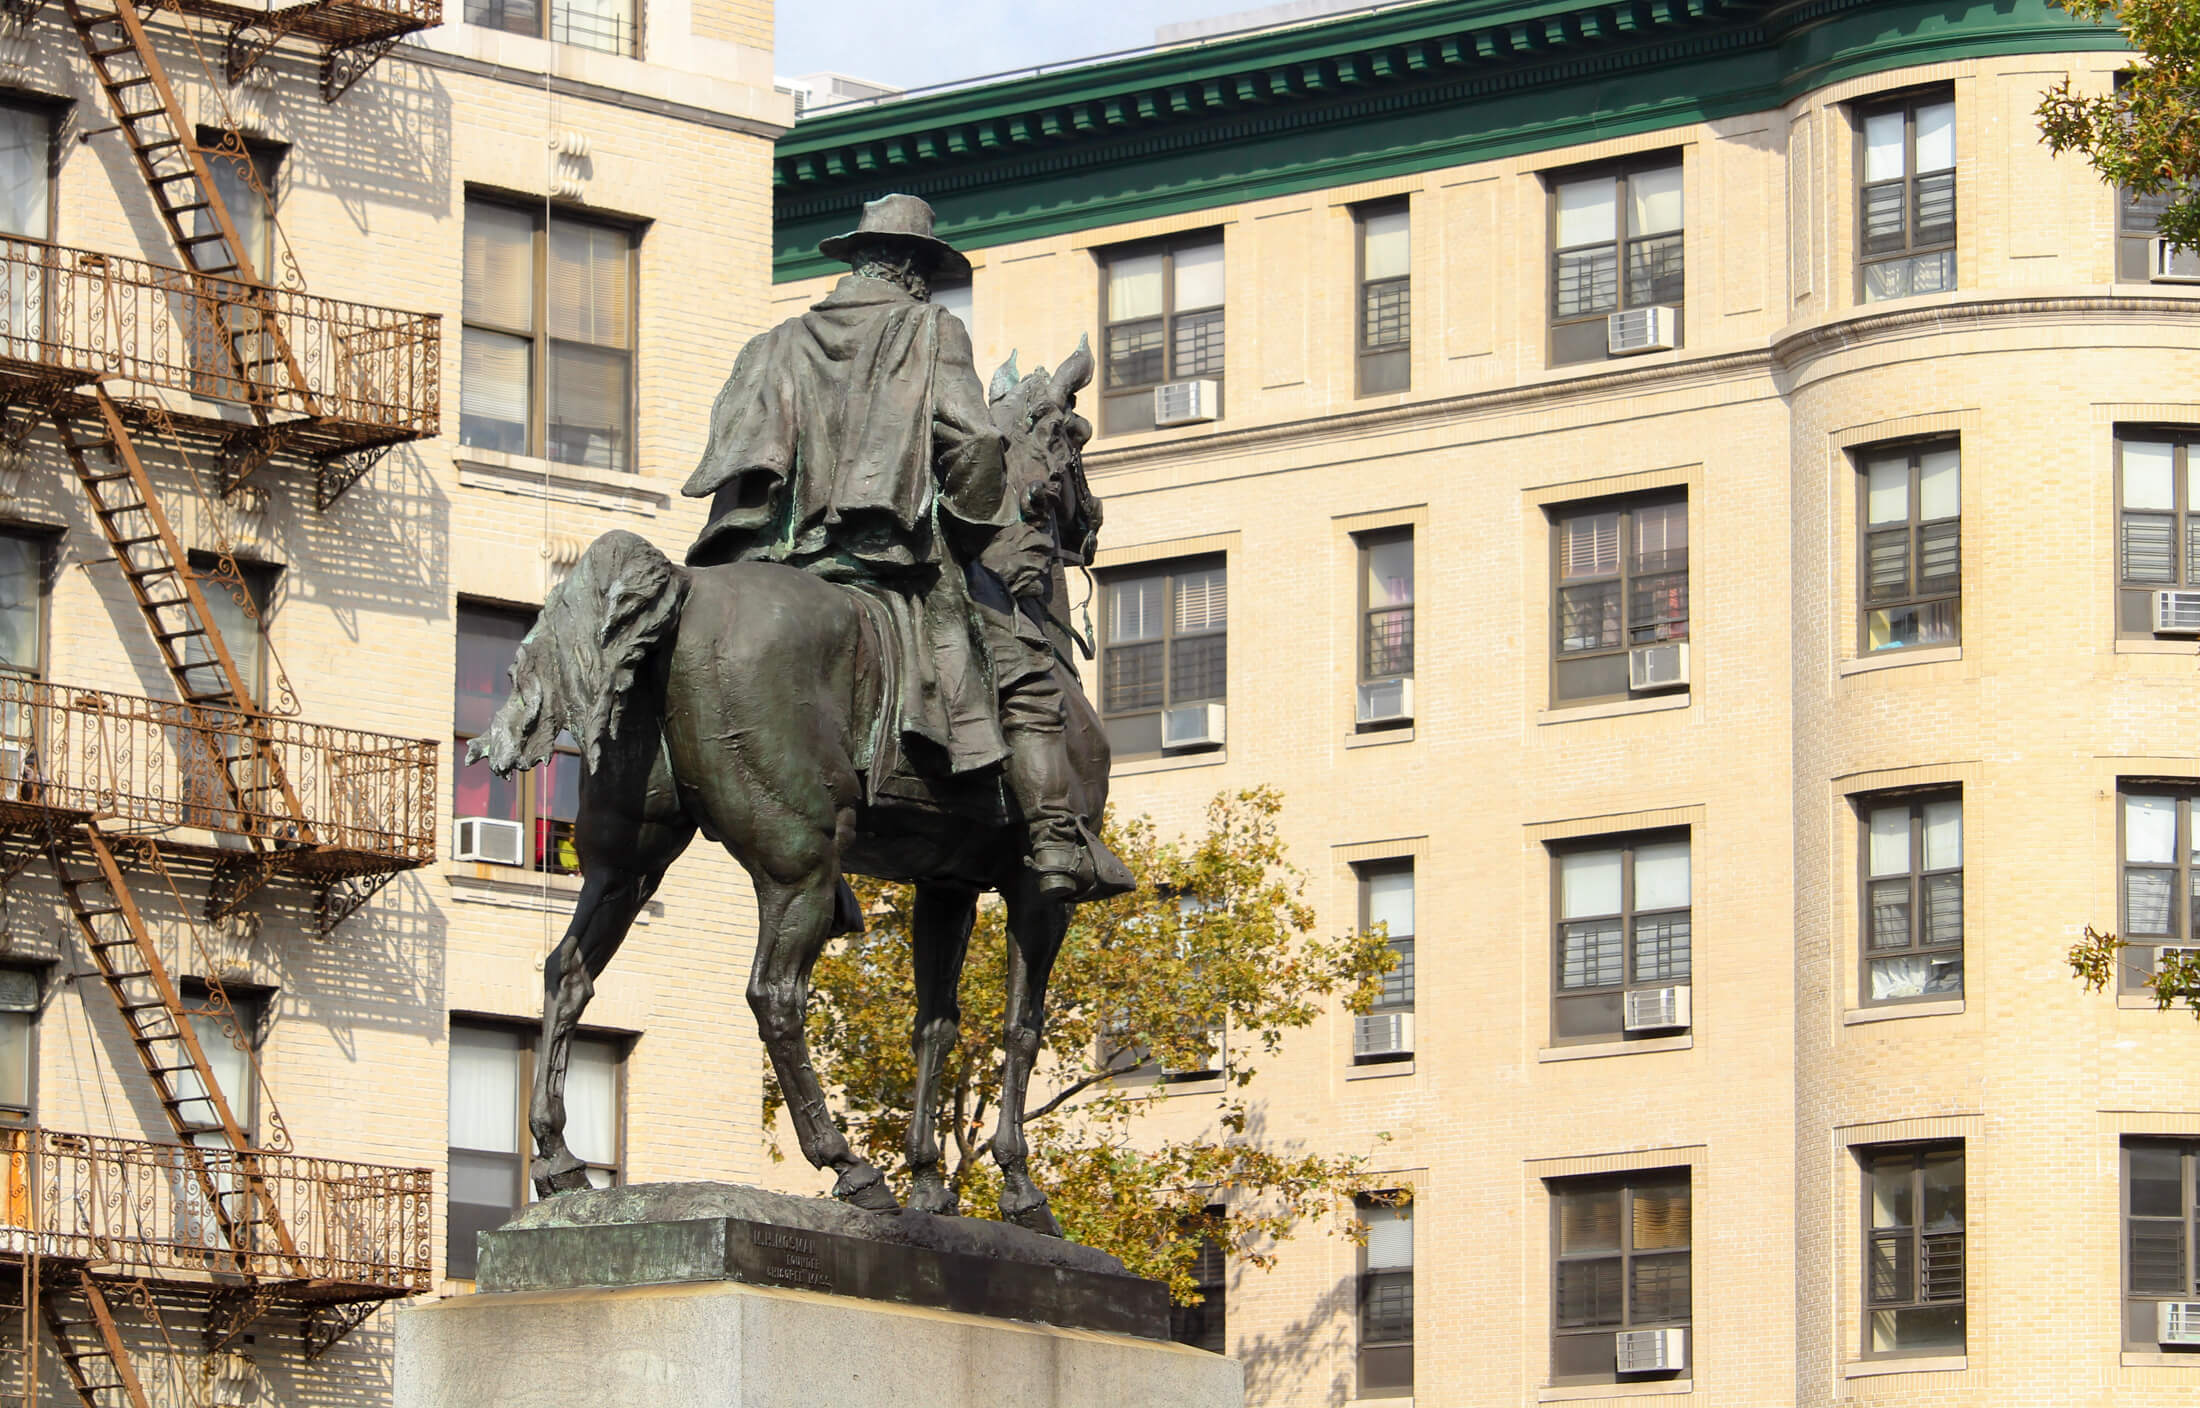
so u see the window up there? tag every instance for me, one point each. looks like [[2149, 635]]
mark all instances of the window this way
[[1913, 1250], [239, 596], [1164, 645], [956, 298], [1906, 199], [248, 195], [1616, 243], [1623, 924], [1386, 609], [548, 360], [1386, 298], [604, 25], [2161, 1211], [229, 1030], [228, 349], [1911, 573], [1205, 1325], [492, 1077], [1385, 1033], [1386, 1301], [1913, 899], [2157, 524], [1620, 580], [22, 603], [1163, 307], [545, 801], [1620, 1261], [19, 997], [26, 211], [2160, 887]]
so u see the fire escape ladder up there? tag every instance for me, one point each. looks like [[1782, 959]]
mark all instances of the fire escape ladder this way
[[236, 1195], [98, 1366], [174, 167], [167, 591]]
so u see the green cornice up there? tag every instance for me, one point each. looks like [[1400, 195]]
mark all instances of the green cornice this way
[[1416, 88]]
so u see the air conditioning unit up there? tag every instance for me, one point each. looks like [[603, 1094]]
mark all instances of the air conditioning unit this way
[[2177, 613], [1386, 701], [1660, 666], [1186, 402], [1382, 1034], [1651, 1351], [1633, 330], [1657, 1009], [2178, 1322], [2167, 951], [1192, 726], [489, 839], [2174, 263]]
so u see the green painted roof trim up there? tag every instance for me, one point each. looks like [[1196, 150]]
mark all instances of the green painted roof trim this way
[[1026, 165]]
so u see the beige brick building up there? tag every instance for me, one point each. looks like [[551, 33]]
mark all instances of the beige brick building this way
[[1677, 499]]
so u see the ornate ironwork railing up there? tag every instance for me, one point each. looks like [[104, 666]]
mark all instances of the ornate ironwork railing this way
[[369, 800], [374, 372], [145, 1209]]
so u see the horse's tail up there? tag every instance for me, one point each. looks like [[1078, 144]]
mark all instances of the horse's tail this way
[[576, 668]]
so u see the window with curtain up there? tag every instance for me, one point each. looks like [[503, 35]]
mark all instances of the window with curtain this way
[[19, 999], [1162, 321], [1163, 642], [1913, 899], [1206, 1325], [545, 801], [26, 212], [2158, 884], [1906, 197], [1619, 580], [1617, 242], [607, 26], [1913, 1250], [1386, 898], [1386, 1301], [1620, 1261], [2161, 1214], [492, 1072], [2157, 521], [547, 361], [1623, 921], [1911, 577], [1386, 604], [1386, 297]]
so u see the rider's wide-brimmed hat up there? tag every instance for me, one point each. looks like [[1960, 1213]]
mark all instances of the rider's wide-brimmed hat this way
[[903, 220]]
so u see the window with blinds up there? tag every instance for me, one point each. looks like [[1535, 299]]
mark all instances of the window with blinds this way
[[1206, 1324], [1386, 604], [1164, 643], [1620, 1261], [1617, 242], [2158, 884], [1386, 898], [1622, 921], [1910, 541], [1162, 321], [547, 363], [2161, 1218], [1386, 1301], [2157, 521], [1913, 1250], [1619, 580], [1906, 197], [1912, 947], [1386, 297]]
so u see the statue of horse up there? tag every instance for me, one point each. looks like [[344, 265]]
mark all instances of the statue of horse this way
[[737, 700]]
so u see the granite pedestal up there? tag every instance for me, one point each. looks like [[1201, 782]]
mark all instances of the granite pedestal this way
[[715, 1296]]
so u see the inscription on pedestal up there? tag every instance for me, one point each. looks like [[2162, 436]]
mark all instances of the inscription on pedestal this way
[[790, 1258]]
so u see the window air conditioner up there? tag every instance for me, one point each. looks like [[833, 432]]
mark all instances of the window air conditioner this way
[[1382, 1034], [1660, 666], [1634, 330], [1386, 701], [488, 839], [2174, 263], [1192, 726], [2178, 1322], [1657, 1009], [2177, 613], [2173, 951], [1651, 1351], [1185, 402]]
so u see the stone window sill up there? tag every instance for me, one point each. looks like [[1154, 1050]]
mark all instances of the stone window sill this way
[[2157, 1359], [1377, 737], [531, 477], [1922, 1364], [1888, 660], [2157, 645], [515, 887], [1614, 708], [1894, 1011], [1376, 1070], [2141, 1002], [1589, 1050], [1172, 762], [1589, 1393]]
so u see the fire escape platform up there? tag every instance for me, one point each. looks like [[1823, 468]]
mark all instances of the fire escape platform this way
[[340, 23]]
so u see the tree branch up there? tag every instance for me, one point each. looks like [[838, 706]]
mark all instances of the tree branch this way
[[1079, 1086]]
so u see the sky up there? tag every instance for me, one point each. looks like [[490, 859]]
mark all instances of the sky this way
[[909, 43]]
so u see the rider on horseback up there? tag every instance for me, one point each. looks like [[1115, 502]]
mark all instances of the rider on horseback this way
[[854, 441]]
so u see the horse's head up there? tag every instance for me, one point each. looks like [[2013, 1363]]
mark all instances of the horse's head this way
[[1037, 416]]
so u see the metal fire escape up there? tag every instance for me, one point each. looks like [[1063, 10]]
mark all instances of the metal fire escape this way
[[109, 1239]]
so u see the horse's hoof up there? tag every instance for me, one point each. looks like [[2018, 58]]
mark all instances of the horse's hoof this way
[[1032, 1216], [567, 1175], [865, 1187], [932, 1195]]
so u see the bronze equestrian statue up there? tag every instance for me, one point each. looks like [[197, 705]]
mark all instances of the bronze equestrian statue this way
[[864, 668]]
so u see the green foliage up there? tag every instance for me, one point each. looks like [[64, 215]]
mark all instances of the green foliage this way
[[1218, 938], [2146, 134], [2094, 958]]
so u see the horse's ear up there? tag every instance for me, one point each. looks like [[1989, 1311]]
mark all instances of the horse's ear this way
[[1005, 378], [1071, 377]]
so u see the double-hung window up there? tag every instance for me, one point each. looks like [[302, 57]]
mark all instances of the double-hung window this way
[[1623, 928], [544, 802], [1386, 628], [1619, 583], [1164, 656], [1913, 1250], [607, 26], [2160, 884], [19, 1002], [22, 602], [1906, 198], [2157, 527], [1386, 1302], [1205, 1325], [1911, 539], [1386, 297], [26, 213], [2161, 1217], [1163, 306], [1617, 242], [548, 357], [1385, 1032], [1620, 1264], [1913, 899]]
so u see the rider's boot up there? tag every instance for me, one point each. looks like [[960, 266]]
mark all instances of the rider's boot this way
[[1039, 774]]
